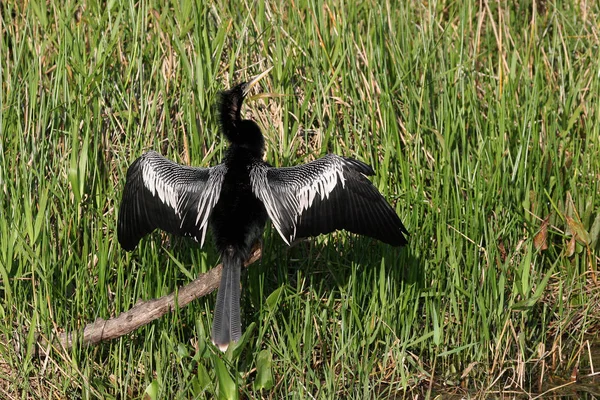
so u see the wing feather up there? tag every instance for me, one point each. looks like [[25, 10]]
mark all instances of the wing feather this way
[[162, 194], [327, 194]]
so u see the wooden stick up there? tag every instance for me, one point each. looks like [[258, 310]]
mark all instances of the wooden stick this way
[[145, 311]]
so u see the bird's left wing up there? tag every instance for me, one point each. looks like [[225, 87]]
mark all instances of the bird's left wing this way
[[327, 194], [162, 194]]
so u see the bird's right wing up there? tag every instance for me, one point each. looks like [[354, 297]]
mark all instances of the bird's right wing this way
[[162, 194], [327, 194]]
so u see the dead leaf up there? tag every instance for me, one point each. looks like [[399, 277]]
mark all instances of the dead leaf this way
[[571, 247], [540, 241], [502, 250]]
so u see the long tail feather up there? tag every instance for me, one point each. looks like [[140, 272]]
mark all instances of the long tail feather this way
[[226, 323]]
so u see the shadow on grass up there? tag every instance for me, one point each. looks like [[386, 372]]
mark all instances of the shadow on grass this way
[[339, 267]]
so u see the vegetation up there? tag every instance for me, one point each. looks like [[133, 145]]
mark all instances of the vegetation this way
[[482, 120]]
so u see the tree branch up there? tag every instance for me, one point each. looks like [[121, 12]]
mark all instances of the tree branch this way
[[145, 311]]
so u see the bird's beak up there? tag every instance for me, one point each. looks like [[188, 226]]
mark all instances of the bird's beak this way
[[250, 84]]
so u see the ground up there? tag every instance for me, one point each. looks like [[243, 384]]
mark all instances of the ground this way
[[481, 120]]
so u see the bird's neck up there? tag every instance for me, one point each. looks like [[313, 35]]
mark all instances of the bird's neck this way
[[244, 152], [245, 138]]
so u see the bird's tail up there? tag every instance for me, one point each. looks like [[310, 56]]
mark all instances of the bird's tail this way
[[226, 323]]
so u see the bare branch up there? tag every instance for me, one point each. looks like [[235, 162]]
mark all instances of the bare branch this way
[[145, 311]]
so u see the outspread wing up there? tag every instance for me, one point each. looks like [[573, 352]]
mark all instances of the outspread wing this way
[[162, 194], [325, 195]]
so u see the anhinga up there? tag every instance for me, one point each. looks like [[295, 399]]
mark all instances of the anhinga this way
[[238, 196]]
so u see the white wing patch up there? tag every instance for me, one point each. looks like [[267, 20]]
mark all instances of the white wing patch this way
[[323, 185], [157, 186], [177, 195], [208, 199], [262, 190], [294, 196]]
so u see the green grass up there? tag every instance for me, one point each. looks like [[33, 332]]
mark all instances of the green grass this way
[[480, 122]]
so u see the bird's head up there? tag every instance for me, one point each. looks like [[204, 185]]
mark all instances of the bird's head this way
[[237, 130]]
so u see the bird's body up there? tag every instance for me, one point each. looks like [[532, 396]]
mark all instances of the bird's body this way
[[237, 222], [238, 196], [239, 216]]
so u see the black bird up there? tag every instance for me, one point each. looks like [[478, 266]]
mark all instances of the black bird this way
[[238, 196]]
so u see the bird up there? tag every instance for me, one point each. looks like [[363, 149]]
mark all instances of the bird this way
[[237, 197]]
